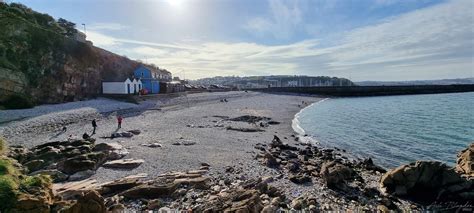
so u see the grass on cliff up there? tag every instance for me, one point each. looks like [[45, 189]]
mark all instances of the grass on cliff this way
[[13, 182]]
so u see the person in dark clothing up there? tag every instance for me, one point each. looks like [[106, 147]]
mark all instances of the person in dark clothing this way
[[85, 136], [119, 121], [94, 125]]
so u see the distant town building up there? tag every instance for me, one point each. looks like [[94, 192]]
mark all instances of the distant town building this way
[[122, 87]]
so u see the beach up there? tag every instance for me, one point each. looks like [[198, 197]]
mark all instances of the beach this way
[[198, 118]]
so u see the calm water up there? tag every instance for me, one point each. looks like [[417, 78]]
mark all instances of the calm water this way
[[394, 129]]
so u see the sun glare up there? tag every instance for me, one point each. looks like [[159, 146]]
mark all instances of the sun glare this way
[[175, 3]]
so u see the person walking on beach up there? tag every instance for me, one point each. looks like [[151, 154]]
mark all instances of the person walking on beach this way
[[94, 125], [119, 121]]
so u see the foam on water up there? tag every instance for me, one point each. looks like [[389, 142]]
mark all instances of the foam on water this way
[[394, 129]]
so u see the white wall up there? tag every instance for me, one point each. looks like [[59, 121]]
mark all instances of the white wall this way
[[115, 88]]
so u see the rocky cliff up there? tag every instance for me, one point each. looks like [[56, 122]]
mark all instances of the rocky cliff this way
[[40, 60]]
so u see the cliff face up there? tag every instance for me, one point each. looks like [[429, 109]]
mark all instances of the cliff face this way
[[40, 61]]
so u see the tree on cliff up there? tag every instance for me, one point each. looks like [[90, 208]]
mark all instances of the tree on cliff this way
[[69, 27]]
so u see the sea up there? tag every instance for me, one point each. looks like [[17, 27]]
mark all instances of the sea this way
[[392, 130]]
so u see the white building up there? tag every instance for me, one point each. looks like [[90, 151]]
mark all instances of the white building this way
[[125, 87]]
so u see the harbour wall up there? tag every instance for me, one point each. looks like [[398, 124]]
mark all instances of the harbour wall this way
[[348, 91]]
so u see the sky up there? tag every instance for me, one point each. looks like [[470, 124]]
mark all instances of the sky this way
[[388, 40]]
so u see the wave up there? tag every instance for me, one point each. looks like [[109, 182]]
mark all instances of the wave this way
[[295, 123]]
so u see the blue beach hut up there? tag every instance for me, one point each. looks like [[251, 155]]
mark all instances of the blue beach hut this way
[[148, 78]]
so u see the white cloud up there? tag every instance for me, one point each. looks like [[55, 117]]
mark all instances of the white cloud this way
[[284, 18], [106, 26], [434, 42]]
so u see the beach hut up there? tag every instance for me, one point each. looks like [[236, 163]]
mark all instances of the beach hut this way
[[148, 78], [122, 87]]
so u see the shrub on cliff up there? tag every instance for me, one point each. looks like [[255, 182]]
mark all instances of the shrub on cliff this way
[[18, 101]]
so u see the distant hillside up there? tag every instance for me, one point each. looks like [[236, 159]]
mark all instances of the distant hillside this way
[[274, 81], [422, 82], [41, 61]]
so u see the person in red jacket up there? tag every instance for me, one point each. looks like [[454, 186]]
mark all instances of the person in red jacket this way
[[119, 121]]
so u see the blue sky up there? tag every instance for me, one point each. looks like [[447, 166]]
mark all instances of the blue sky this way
[[357, 39]]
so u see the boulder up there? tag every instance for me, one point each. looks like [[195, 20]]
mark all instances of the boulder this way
[[89, 201], [465, 161], [124, 163], [55, 174], [107, 147], [121, 134], [19, 153], [299, 178], [244, 201], [425, 182], [270, 161], [30, 203], [34, 165], [188, 143], [81, 175], [198, 182], [135, 131], [150, 191], [89, 161], [117, 154], [335, 174]]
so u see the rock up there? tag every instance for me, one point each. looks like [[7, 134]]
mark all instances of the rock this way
[[425, 182], [152, 145], [269, 209], [55, 174], [270, 161], [47, 153], [120, 185], [198, 182], [335, 174], [299, 178], [151, 191], [34, 165], [35, 198], [124, 163], [275, 201], [107, 147], [30, 203], [89, 161], [135, 131], [188, 143], [117, 154], [154, 204], [81, 175], [245, 201], [297, 203], [465, 161], [267, 179], [369, 165], [19, 153], [116, 208], [89, 201], [164, 210], [121, 134]]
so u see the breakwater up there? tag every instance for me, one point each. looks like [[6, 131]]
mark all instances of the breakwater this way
[[348, 91]]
